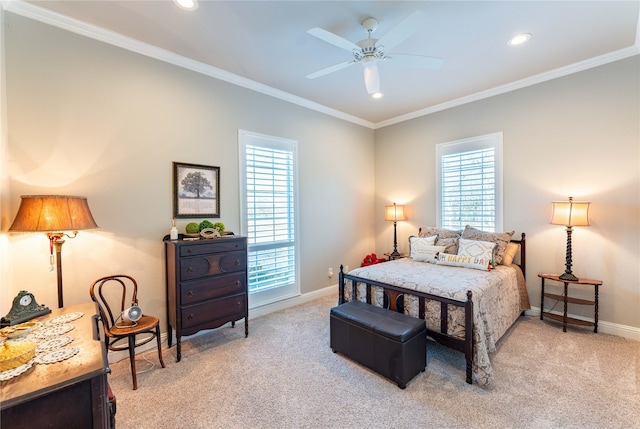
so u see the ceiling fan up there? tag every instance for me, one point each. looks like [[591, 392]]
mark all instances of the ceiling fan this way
[[370, 51]]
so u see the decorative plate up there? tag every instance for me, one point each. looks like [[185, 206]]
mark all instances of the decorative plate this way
[[14, 372], [57, 355], [50, 331], [19, 330], [53, 343], [64, 318]]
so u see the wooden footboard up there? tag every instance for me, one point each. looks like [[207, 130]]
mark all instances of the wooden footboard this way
[[394, 300]]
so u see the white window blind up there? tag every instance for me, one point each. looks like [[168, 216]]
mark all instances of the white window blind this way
[[469, 177], [269, 215]]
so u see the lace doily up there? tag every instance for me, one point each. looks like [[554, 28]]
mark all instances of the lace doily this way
[[64, 318], [50, 331], [56, 355], [14, 372], [53, 343]]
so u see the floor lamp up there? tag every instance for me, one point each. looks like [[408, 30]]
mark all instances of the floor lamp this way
[[394, 213], [570, 213], [53, 215]]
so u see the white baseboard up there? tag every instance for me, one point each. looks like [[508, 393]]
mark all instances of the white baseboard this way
[[253, 313], [605, 327]]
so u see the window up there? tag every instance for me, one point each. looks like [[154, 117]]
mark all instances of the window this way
[[469, 183], [268, 179]]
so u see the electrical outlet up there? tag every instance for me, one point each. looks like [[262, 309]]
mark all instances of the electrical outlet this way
[[330, 272]]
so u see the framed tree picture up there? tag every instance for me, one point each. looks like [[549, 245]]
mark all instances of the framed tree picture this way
[[196, 191]]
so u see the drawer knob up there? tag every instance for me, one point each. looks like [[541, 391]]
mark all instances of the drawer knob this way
[[237, 262], [190, 269], [190, 293], [190, 317], [239, 304], [238, 282]]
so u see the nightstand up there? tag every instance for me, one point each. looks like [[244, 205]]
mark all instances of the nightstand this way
[[565, 298], [400, 256]]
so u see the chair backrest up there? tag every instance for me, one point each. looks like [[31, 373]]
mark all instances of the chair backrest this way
[[114, 294]]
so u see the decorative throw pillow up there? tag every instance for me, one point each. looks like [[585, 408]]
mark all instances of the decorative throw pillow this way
[[476, 249], [500, 238], [417, 244], [464, 261], [510, 253], [446, 237], [427, 254]]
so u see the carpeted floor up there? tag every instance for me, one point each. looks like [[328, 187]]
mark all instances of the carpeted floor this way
[[284, 375]]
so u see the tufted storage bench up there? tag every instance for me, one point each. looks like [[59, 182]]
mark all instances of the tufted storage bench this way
[[390, 343]]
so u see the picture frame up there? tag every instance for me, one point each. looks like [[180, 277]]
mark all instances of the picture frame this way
[[196, 191]]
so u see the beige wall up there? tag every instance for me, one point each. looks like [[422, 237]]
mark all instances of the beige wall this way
[[574, 136], [86, 118]]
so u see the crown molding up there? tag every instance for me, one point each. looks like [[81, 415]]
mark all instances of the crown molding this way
[[36, 13], [31, 11], [523, 83]]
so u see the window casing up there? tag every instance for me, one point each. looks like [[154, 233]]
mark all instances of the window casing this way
[[469, 183], [268, 176]]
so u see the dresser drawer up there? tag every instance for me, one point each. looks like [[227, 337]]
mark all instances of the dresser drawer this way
[[197, 314], [213, 264], [214, 245], [207, 288]]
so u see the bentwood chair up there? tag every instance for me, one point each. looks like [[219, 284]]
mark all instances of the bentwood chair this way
[[115, 294]]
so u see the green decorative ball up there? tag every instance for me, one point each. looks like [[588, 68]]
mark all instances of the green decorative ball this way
[[192, 228], [219, 226], [205, 224]]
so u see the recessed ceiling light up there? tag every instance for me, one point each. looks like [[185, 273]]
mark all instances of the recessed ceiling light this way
[[519, 39], [187, 4], [377, 95]]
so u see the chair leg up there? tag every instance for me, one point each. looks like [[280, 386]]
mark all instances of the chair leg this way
[[159, 345], [132, 358]]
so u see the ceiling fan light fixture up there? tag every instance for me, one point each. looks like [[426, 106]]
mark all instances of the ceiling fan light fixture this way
[[519, 39], [371, 78], [377, 95], [187, 4]]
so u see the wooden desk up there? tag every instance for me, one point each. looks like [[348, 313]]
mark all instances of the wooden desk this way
[[68, 394], [565, 298]]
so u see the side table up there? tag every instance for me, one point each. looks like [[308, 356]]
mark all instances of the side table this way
[[565, 298], [391, 257]]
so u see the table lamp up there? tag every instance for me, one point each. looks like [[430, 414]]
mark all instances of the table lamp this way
[[53, 215], [570, 213], [394, 213]]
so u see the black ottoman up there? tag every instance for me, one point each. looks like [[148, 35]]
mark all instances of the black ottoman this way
[[390, 343]]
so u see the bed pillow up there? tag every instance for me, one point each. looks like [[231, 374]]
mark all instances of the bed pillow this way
[[500, 238], [510, 253], [418, 244], [476, 249], [427, 254], [464, 261], [446, 237]]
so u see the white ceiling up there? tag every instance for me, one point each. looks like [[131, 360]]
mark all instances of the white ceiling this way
[[265, 45]]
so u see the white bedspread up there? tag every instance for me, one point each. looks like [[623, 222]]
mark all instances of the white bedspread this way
[[496, 300]]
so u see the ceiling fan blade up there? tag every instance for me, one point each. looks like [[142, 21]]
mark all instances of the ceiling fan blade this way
[[331, 69], [403, 30], [333, 39], [420, 61]]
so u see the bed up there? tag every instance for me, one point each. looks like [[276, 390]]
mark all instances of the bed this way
[[466, 309]]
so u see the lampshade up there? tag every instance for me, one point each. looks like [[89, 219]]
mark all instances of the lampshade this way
[[570, 213], [371, 78], [53, 213], [394, 213]]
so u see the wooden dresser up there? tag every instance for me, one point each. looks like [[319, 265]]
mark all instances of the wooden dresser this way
[[72, 393], [206, 285]]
